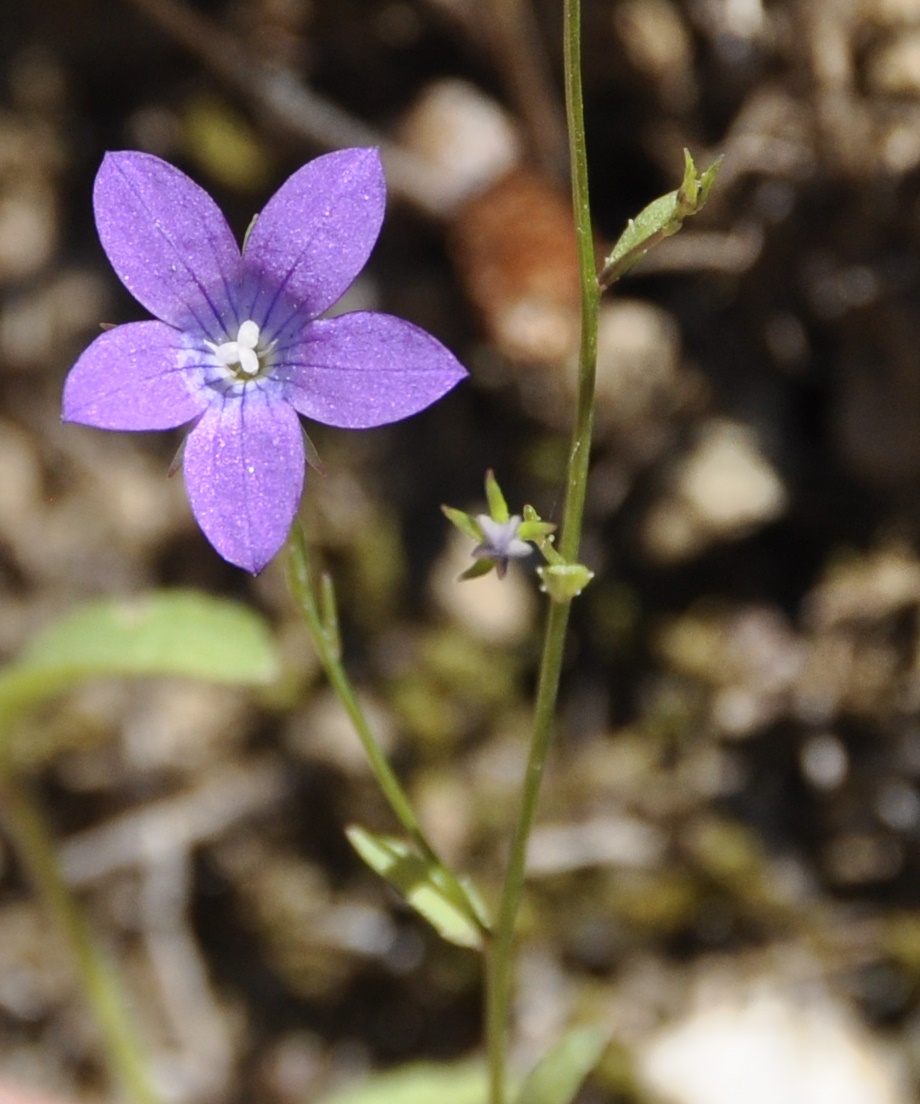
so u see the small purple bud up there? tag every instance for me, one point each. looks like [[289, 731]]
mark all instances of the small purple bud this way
[[500, 542]]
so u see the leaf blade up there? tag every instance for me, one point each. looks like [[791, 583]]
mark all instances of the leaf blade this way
[[423, 886], [559, 1075], [180, 633]]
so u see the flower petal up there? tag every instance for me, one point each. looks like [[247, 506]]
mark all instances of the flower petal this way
[[367, 369], [317, 231], [167, 240], [132, 378], [244, 471]]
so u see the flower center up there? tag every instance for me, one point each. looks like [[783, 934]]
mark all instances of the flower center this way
[[242, 356]]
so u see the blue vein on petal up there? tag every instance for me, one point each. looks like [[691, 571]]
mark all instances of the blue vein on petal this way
[[166, 237], [247, 515], [347, 177]]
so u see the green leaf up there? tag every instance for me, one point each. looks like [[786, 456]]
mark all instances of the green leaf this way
[[425, 886], [498, 507], [420, 1083], [183, 633], [659, 220], [558, 1076]]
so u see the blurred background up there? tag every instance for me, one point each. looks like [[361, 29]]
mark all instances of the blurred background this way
[[726, 871]]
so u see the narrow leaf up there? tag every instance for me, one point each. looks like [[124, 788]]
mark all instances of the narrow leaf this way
[[659, 220], [183, 633], [423, 885], [559, 1075]]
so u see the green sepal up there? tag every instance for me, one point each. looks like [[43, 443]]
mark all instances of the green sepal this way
[[425, 886], [249, 229], [535, 531], [467, 525], [498, 507], [478, 568], [534, 528], [659, 220], [181, 633], [548, 549], [563, 582], [559, 1075]]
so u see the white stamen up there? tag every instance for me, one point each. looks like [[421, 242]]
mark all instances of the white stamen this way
[[248, 335], [242, 352], [248, 360], [228, 353]]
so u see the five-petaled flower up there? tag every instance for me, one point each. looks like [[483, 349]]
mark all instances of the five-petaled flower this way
[[500, 542], [239, 348]]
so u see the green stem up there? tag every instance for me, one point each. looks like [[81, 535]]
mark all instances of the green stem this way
[[325, 639], [98, 979], [500, 951], [499, 965]]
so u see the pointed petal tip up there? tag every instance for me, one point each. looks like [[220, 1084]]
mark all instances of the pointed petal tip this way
[[317, 231], [166, 238], [244, 475], [254, 566], [367, 369], [127, 379], [251, 559]]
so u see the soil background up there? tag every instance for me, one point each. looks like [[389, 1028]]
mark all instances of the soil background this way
[[727, 855]]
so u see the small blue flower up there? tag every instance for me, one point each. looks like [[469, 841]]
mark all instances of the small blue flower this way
[[500, 542]]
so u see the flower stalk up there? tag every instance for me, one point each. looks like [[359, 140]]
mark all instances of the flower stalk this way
[[322, 622], [500, 951]]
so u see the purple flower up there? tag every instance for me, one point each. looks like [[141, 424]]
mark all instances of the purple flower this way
[[501, 542], [239, 349]]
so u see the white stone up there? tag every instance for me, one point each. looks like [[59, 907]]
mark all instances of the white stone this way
[[728, 482], [467, 138], [769, 1043], [498, 611], [723, 489]]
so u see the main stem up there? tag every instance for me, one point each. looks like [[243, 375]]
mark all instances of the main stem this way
[[101, 988], [499, 955]]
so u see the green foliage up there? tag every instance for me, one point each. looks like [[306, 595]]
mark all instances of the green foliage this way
[[420, 1083], [558, 1076], [181, 633], [425, 886], [659, 220]]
